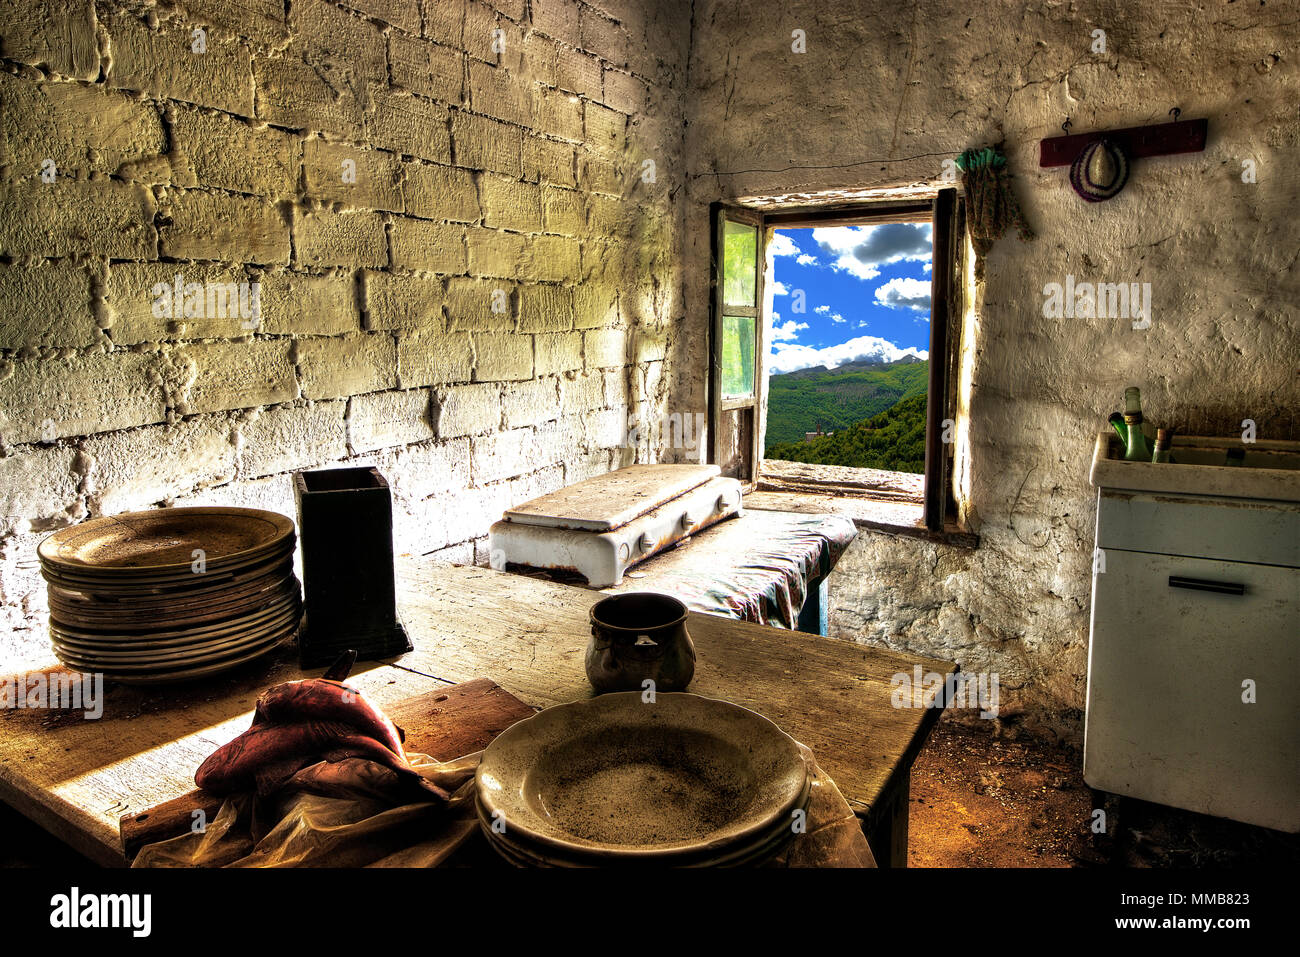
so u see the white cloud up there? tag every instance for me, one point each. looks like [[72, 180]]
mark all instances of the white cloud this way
[[782, 245], [787, 331], [806, 260], [826, 311], [862, 250], [779, 288], [862, 323], [788, 357], [905, 294]]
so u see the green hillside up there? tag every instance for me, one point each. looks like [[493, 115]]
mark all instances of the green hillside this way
[[798, 402], [893, 440]]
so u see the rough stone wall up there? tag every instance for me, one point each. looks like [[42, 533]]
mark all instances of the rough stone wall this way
[[476, 311], [884, 94]]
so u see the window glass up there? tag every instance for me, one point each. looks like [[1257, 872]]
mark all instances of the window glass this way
[[737, 356], [739, 263]]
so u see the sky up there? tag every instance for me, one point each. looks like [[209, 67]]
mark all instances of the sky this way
[[866, 294]]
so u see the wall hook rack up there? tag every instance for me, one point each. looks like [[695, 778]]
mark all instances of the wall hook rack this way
[[1163, 139], [1099, 161]]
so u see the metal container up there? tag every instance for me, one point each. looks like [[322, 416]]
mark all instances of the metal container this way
[[638, 637], [345, 524], [604, 525]]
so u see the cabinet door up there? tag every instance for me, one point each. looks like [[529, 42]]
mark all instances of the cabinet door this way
[[1167, 664]]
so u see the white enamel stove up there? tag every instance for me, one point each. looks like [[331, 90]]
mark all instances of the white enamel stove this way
[[601, 527]]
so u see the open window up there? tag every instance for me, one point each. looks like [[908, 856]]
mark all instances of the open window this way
[[737, 379], [742, 331]]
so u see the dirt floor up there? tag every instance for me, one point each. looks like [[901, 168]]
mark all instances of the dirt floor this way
[[984, 801], [978, 800]]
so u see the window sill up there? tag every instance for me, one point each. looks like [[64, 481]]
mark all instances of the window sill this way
[[888, 502]]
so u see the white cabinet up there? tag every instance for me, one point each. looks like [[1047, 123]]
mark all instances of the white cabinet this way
[[1195, 605]]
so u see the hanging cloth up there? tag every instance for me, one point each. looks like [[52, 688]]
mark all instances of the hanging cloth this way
[[991, 205]]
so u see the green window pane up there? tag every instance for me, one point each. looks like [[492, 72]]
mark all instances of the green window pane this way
[[739, 263], [737, 356]]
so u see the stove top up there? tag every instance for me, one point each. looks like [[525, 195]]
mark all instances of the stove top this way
[[602, 526]]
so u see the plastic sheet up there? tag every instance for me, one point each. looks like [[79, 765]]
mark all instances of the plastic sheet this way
[[350, 814]]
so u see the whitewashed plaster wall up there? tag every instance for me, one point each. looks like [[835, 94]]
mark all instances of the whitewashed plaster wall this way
[[884, 94]]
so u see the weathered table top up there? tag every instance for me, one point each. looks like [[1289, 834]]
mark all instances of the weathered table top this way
[[77, 777]]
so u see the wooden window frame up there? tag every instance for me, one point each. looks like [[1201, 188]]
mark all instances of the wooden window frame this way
[[945, 213], [718, 404]]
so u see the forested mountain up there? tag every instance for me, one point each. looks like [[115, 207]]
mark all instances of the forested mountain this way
[[835, 399], [893, 440]]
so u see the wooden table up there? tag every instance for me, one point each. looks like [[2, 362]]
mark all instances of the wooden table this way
[[77, 777]]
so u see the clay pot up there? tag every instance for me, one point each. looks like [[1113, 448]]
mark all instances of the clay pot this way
[[637, 636]]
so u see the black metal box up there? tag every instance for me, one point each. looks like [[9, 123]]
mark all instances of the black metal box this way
[[345, 525]]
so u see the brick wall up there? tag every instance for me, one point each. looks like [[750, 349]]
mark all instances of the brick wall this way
[[465, 276]]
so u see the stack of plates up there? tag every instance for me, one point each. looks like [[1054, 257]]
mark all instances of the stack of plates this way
[[682, 782], [170, 594]]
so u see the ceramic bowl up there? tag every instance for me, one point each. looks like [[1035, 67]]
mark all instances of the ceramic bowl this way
[[615, 778]]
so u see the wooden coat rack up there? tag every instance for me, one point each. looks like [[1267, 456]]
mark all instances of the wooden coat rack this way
[[1164, 139]]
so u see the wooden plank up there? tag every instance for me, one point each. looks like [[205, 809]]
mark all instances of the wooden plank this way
[[832, 695], [1161, 139], [891, 518], [77, 777], [166, 820], [457, 720], [443, 724], [906, 211], [610, 501], [936, 450]]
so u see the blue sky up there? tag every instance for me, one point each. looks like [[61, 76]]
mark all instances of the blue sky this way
[[866, 294]]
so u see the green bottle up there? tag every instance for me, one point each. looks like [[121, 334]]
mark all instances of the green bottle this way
[[1138, 450], [1116, 421], [1164, 439]]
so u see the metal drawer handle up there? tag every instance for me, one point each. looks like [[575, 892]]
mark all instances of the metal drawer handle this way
[[1200, 584]]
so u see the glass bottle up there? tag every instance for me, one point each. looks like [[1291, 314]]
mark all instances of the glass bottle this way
[[1117, 423], [1138, 449], [1164, 439]]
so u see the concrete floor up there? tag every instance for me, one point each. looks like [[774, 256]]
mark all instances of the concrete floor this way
[[977, 801]]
